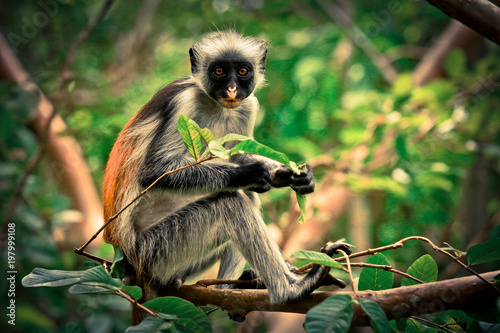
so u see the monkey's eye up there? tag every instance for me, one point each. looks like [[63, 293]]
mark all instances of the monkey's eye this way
[[218, 71], [243, 71]]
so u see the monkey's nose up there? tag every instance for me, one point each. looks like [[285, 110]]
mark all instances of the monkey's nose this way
[[231, 92]]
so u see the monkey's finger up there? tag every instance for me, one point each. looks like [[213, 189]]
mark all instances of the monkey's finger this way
[[332, 280], [297, 180], [303, 189]]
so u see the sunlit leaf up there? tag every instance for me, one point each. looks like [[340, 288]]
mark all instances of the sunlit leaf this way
[[254, 147], [424, 269], [41, 277], [93, 288], [317, 258], [334, 315], [190, 135], [376, 278], [302, 201]]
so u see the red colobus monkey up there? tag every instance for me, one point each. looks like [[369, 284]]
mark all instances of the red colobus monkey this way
[[208, 212]]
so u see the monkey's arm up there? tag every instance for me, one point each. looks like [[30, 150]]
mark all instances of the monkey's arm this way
[[280, 175], [204, 177]]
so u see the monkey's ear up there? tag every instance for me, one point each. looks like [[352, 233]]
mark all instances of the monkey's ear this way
[[192, 57], [263, 60]]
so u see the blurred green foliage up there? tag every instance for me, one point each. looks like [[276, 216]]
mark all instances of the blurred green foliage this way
[[323, 97]]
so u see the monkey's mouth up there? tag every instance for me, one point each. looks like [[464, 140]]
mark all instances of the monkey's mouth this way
[[229, 102]]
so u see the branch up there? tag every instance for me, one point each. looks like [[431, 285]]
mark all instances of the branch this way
[[360, 39], [480, 15], [397, 303], [47, 124]]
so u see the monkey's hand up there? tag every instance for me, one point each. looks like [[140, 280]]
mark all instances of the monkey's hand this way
[[254, 177], [302, 183]]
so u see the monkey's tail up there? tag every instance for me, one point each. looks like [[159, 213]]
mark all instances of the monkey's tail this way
[[148, 293]]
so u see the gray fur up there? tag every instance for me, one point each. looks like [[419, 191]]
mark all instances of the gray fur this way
[[170, 234]]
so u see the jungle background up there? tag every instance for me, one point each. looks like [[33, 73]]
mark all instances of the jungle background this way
[[393, 104]]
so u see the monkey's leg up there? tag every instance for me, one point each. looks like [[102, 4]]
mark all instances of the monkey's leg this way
[[194, 231]]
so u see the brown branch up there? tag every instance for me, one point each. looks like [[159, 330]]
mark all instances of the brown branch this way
[[480, 15], [360, 39], [455, 36], [385, 268], [22, 78], [66, 74], [396, 303], [399, 244]]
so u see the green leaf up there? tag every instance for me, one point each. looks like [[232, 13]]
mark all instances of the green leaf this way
[[118, 267], [41, 277], [232, 137], [99, 275], [90, 264], [378, 318], [217, 149], [424, 268], [93, 288], [133, 291], [302, 201], [205, 134], [256, 148], [484, 252], [413, 326], [375, 278], [190, 135], [150, 325], [317, 258], [333, 315], [191, 318]]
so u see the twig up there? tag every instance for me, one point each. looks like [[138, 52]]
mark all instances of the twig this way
[[399, 244], [431, 323], [359, 38], [135, 303], [457, 260], [114, 217], [386, 268], [103, 261], [70, 59], [346, 257]]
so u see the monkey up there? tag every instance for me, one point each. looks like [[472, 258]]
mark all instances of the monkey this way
[[208, 212]]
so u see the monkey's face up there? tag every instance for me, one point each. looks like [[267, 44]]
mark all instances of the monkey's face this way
[[231, 80]]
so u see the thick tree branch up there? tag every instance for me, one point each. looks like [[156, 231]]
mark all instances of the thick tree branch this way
[[396, 303], [71, 170], [480, 15]]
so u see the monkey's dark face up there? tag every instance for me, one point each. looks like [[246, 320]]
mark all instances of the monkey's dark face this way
[[231, 80]]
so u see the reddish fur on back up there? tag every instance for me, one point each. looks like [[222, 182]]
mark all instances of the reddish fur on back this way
[[116, 179]]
